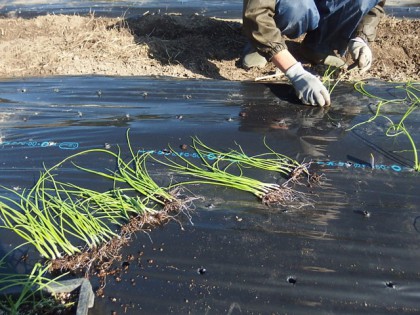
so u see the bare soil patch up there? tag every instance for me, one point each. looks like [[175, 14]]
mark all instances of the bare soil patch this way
[[179, 46]]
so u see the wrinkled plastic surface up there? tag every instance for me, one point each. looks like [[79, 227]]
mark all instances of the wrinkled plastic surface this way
[[353, 249], [220, 8]]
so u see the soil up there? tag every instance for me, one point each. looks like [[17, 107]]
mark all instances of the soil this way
[[178, 46]]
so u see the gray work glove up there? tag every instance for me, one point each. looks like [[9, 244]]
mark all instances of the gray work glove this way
[[361, 53], [309, 89]]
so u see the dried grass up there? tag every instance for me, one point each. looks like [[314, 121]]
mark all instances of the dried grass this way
[[179, 46]]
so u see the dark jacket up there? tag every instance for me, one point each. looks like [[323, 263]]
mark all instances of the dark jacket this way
[[259, 26]]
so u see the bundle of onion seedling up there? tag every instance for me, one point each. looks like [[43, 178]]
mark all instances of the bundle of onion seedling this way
[[271, 161], [114, 205], [28, 220], [53, 213], [49, 217], [217, 174], [134, 173], [74, 216]]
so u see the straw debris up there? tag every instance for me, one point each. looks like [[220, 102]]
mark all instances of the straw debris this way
[[182, 46]]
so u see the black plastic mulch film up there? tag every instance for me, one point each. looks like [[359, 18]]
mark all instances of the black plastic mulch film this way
[[353, 248]]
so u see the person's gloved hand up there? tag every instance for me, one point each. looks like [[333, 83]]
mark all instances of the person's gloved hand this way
[[361, 53], [309, 89]]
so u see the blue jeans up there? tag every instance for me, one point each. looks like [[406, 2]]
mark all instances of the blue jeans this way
[[328, 24]]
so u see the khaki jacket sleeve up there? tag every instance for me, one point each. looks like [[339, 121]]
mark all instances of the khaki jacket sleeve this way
[[259, 26], [368, 26]]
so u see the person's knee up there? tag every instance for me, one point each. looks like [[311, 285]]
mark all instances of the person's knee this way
[[365, 5], [296, 17]]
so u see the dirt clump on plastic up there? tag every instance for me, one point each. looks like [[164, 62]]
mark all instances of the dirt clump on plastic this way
[[178, 46], [101, 261]]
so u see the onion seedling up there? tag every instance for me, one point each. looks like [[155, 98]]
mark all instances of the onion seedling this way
[[31, 287], [328, 75], [395, 129]]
